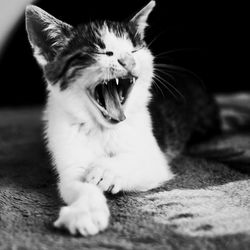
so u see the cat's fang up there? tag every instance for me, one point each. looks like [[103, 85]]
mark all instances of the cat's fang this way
[[98, 100], [109, 96]]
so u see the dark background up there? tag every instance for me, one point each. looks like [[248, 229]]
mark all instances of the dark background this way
[[205, 37]]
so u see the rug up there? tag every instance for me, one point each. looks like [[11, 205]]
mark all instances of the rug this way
[[206, 206]]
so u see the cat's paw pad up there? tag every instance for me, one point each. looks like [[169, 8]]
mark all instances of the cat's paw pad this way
[[104, 178], [79, 220]]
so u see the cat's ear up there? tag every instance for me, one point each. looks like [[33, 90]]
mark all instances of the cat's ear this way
[[140, 19], [47, 35]]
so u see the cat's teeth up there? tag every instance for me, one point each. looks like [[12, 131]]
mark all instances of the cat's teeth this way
[[133, 80], [120, 95], [105, 82], [117, 81]]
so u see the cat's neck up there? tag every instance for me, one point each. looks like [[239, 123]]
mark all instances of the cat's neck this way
[[55, 111]]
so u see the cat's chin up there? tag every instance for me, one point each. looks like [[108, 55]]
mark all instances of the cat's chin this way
[[110, 96]]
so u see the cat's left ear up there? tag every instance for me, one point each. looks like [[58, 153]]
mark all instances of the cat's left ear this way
[[140, 19], [47, 35]]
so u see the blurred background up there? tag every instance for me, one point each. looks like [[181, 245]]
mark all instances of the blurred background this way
[[206, 37]]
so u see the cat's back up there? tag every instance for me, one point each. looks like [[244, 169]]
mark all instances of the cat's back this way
[[182, 112]]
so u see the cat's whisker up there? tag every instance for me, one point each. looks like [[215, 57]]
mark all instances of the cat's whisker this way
[[165, 86], [165, 73], [167, 66], [162, 81], [168, 89], [173, 51], [174, 68], [157, 87]]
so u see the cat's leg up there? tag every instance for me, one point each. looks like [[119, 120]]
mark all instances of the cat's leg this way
[[86, 212], [129, 172]]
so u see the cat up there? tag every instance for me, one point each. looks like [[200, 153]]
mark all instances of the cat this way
[[106, 128]]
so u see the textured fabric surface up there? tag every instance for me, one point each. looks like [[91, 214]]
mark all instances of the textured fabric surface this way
[[206, 206]]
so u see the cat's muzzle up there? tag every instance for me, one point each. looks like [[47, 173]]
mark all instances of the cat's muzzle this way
[[110, 96]]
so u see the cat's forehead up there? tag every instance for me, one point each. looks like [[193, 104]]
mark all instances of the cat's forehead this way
[[115, 38], [103, 36], [109, 34]]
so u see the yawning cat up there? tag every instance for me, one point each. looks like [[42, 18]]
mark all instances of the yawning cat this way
[[106, 128]]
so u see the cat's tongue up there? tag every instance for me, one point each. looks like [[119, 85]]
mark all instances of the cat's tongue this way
[[112, 101]]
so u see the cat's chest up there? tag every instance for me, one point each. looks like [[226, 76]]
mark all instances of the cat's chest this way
[[112, 142]]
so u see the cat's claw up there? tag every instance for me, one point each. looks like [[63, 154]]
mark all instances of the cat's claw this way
[[105, 179], [83, 221]]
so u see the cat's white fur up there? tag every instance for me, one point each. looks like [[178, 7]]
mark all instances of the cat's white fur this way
[[91, 155]]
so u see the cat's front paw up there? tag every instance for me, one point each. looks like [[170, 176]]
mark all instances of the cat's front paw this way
[[82, 220], [104, 178]]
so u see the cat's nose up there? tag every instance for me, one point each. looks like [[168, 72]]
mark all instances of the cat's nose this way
[[128, 62]]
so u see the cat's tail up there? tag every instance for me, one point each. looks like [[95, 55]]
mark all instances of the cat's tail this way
[[232, 146], [234, 111]]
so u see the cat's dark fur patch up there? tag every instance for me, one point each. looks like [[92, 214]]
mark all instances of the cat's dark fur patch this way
[[80, 51], [58, 70], [188, 116]]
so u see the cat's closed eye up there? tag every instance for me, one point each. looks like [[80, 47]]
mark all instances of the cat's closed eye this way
[[133, 51], [109, 53]]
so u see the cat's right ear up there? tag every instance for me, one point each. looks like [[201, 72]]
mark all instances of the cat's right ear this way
[[140, 19], [47, 35]]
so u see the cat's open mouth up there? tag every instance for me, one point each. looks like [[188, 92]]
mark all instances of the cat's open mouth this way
[[110, 97]]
